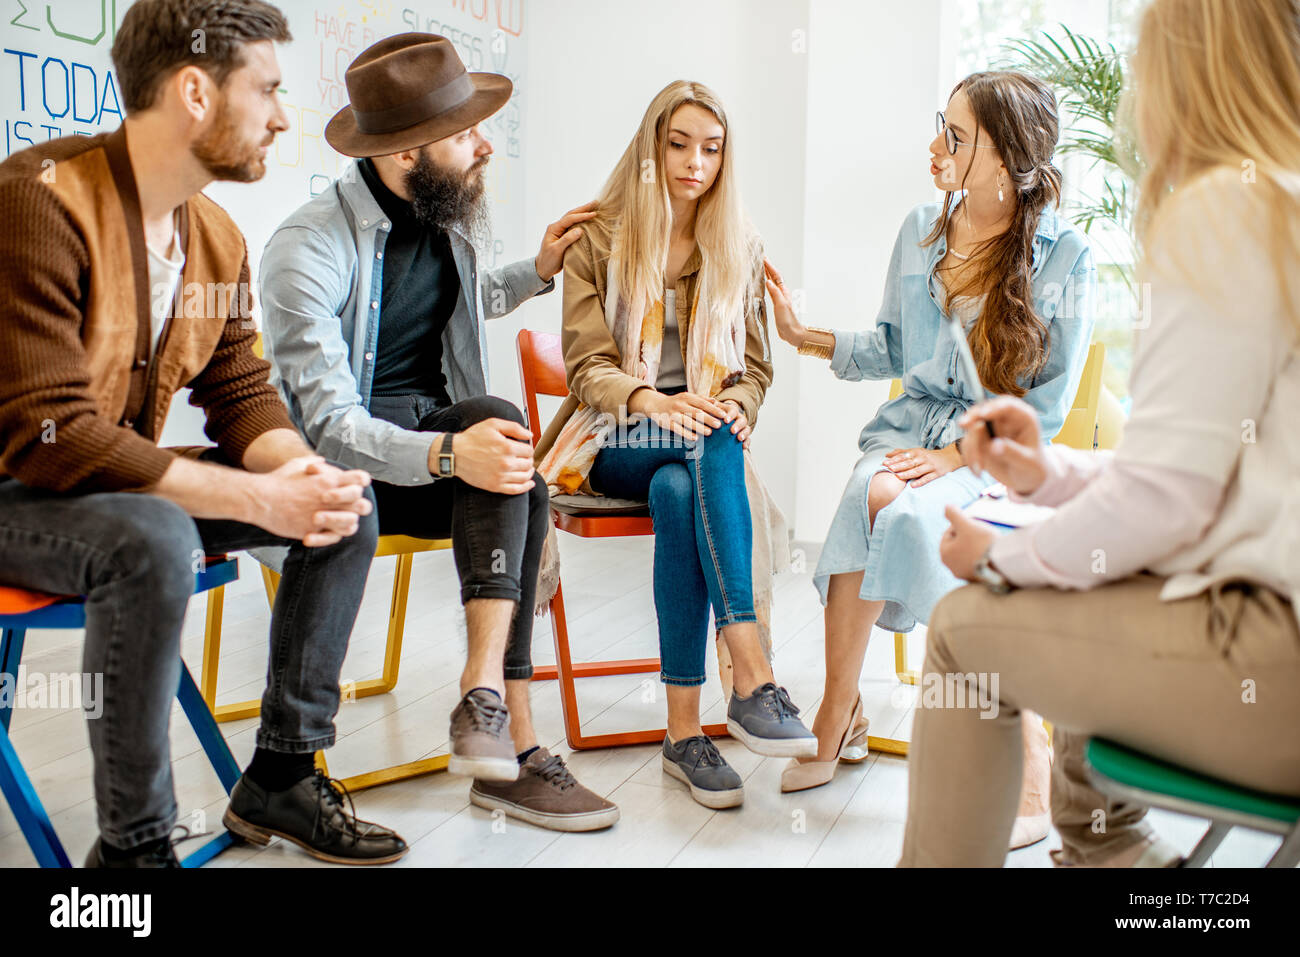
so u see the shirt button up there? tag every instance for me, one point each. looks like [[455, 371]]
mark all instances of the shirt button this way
[[141, 363], [374, 305], [385, 225], [129, 423], [379, 255], [369, 356], [365, 222], [950, 381]]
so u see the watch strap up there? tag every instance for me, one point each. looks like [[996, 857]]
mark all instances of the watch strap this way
[[446, 458]]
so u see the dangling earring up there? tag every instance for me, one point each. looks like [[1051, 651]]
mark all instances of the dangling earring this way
[[1001, 198]]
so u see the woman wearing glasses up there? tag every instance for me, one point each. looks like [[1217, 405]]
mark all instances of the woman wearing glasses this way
[[995, 256]]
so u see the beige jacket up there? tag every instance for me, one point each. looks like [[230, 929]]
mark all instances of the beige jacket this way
[[591, 365], [591, 357]]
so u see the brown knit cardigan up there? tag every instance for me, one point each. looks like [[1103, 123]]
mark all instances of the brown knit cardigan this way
[[81, 401]]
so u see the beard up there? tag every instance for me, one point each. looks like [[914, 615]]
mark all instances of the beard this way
[[443, 198], [225, 154]]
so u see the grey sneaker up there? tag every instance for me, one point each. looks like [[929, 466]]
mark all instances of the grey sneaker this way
[[698, 764], [767, 723], [480, 738], [548, 795]]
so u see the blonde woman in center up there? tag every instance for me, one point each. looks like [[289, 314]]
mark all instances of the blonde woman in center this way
[[667, 359]]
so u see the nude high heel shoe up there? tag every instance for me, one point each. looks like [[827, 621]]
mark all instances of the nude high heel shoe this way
[[1035, 786], [801, 775]]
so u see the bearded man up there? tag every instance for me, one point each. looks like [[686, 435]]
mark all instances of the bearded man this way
[[374, 309]]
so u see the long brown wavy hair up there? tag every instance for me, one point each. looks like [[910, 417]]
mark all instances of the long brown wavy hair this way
[[1019, 114]]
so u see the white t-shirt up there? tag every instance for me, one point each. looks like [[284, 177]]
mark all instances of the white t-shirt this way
[[672, 372], [164, 273]]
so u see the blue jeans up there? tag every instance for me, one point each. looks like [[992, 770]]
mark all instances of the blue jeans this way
[[703, 536]]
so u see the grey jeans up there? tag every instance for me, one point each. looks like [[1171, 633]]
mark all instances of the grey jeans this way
[[134, 557]]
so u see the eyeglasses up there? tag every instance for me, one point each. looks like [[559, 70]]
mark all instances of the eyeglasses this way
[[941, 126]]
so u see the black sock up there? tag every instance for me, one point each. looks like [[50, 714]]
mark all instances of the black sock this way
[[489, 690], [112, 853], [278, 771], [522, 756]]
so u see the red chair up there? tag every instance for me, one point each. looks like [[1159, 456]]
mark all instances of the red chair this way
[[541, 370]]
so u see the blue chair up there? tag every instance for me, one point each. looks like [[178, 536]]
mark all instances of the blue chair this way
[[21, 610]]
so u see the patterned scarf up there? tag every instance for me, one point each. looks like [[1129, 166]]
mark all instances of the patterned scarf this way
[[715, 353]]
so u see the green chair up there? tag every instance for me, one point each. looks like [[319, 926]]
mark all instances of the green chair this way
[[1120, 772]]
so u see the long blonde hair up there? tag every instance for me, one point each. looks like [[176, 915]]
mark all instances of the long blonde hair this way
[[1217, 84], [634, 206]]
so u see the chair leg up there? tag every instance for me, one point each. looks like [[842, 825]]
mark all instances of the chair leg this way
[[396, 631], [567, 671], [271, 583], [14, 782], [908, 676], [212, 649], [205, 727], [1208, 844], [11, 652], [197, 710], [27, 808], [564, 668], [905, 674], [212, 646], [1288, 855]]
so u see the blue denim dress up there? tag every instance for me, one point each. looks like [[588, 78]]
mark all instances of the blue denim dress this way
[[900, 556]]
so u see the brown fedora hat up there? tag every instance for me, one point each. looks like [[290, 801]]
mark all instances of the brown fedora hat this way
[[409, 90]]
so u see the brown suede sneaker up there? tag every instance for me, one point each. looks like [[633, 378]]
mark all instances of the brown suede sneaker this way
[[480, 738], [548, 795]]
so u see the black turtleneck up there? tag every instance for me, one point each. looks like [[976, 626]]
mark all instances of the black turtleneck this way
[[420, 291]]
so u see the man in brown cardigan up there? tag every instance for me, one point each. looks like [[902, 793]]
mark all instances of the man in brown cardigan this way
[[121, 284]]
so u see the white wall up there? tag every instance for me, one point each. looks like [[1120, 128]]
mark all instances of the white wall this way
[[874, 83]]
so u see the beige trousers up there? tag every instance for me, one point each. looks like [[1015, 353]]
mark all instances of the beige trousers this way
[[1209, 682]]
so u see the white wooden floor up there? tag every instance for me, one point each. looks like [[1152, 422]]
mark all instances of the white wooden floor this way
[[856, 820]]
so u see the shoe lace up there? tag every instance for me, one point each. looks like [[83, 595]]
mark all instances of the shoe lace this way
[[485, 715], [333, 793], [707, 754], [777, 702], [186, 834], [554, 772]]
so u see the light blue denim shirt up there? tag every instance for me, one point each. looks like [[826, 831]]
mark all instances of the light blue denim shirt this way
[[910, 341], [321, 286]]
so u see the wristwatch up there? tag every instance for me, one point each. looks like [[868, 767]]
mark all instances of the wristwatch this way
[[990, 576], [446, 458]]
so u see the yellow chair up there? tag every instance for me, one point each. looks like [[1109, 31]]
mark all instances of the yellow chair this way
[[404, 548], [1079, 431]]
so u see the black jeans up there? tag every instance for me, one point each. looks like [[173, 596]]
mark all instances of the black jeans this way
[[134, 557], [496, 539]]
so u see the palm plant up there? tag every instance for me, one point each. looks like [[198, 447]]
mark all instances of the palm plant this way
[[1091, 76]]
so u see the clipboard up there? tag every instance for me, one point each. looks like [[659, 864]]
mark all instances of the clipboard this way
[[995, 507]]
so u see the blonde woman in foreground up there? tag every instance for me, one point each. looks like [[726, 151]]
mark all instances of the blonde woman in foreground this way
[[1197, 514]]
